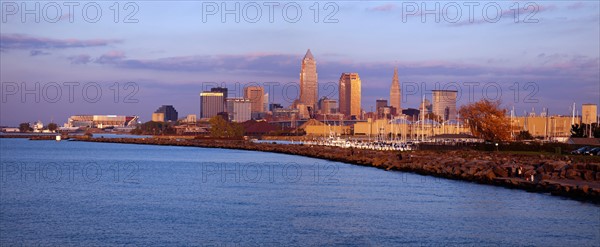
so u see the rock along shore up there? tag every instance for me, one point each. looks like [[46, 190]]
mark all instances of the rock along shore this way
[[558, 175]]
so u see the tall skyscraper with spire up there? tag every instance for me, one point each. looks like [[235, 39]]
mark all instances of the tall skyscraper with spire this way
[[309, 89], [396, 93]]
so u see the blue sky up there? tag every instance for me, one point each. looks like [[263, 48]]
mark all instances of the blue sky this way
[[170, 53]]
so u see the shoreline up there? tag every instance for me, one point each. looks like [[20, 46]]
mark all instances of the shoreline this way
[[557, 175]]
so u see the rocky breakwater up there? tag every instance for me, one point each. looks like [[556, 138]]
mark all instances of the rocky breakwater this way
[[558, 175]]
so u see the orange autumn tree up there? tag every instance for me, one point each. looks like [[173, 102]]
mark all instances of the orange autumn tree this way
[[487, 120]]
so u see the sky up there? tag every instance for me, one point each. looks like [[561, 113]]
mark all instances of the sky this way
[[128, 58]]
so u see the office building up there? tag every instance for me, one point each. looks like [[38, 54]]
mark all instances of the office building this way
[[328, 106], [239, 109], [444, 104], [211, 104], [256, 95], [350, 95], [309, 89], [167, 112], [225, 95]]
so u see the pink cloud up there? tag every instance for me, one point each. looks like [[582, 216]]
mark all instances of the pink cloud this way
[[577, 5], [110, 57], [383, 8]]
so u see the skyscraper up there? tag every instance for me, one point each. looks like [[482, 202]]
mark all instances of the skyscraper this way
[[256, 95], [444, 104], [211, 103], [309, 89], [224, 91], [396, 93], [350, 94]]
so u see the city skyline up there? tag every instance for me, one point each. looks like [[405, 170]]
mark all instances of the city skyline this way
[[106, 52], [299, 123]]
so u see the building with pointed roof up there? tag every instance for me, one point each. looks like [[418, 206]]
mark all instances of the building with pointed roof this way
[[309, 89]]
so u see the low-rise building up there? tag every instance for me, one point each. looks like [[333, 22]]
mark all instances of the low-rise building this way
[[101, 121]]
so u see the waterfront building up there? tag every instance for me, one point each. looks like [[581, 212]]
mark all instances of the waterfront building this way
[[239, 109], [309, 89], [350, 95], [38, 126], [211, 104], [314, 127], [404, 129], [396, 93], [543, 126], [444, 104], [589, 113], [101, 121]]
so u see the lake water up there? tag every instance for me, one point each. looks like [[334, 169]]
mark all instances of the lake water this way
[[96, 194]]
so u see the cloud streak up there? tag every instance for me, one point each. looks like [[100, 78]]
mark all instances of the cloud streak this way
[[383, 8], [34, 53], [262, 66], [80, 59], [23, 41], [533, 11]]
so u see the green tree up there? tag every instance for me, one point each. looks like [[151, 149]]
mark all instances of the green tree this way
[[583, 130], [24, 127], [577, 130], [154, 128], [220, 128], [52, 127], [524, 135]]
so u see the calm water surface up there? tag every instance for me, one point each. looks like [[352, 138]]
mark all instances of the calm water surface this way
[[76, 193]]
